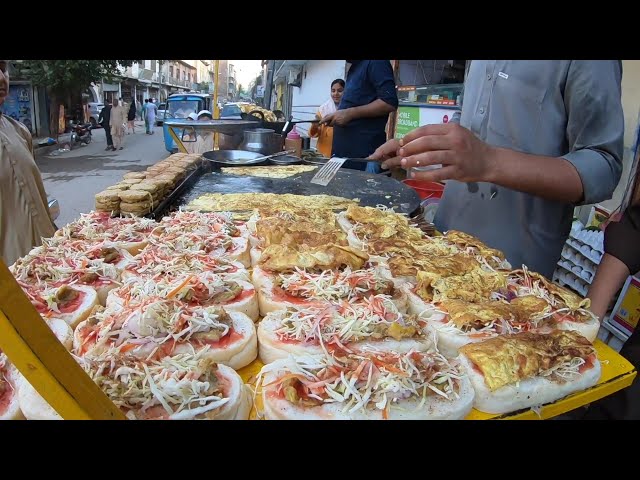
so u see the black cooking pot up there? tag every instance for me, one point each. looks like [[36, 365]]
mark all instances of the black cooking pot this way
[[280, 128]]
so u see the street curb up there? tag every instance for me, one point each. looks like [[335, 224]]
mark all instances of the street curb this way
[[46, 150]]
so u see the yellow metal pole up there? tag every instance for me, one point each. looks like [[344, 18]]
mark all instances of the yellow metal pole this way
[[178, 141], [44, 361], [216, 110]]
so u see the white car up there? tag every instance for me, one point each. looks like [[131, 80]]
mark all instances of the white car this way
[[94, 112], [162, 108]]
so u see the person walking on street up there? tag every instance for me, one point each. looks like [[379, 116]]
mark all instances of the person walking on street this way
[[118, 123], [151, 112], [144, 115], [104, 119], [24, 213], [131, 116]]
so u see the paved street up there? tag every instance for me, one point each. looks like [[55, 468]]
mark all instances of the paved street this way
[[75, 177]]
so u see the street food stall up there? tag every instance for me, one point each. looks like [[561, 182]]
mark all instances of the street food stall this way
[[425, 105], [221, 284], [429, 91]]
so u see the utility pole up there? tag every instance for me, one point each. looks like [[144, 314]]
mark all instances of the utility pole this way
[[216, 110], [269, 86]]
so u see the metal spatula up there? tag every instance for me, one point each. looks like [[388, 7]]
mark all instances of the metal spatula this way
[[329, 170], [273, 155]]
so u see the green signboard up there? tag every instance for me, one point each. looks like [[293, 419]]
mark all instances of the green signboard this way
[[408, 119]]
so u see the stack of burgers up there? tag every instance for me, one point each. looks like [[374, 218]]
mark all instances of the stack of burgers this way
[[108, 201], [139, 193]]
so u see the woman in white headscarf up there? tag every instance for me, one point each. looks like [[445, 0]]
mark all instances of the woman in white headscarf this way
[[324, 133]]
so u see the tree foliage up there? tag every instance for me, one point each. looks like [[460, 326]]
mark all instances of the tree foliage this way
[[253, 85], [62, 77], [255, 82]]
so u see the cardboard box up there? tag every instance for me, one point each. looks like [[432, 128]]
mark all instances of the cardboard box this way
[[626, 312], [598, 216]]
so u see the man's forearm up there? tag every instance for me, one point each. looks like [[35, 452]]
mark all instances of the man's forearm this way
[[377, 108], [610, 276], [547, 177]]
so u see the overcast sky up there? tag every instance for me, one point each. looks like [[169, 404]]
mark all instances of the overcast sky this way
[[246, 70]]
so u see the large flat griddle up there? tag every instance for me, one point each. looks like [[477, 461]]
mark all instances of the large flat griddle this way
[[371, 189]]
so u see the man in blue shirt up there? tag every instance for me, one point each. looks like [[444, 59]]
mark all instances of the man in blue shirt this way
[[360, 121]]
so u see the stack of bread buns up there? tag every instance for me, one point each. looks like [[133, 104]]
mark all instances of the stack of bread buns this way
[[139, 193]]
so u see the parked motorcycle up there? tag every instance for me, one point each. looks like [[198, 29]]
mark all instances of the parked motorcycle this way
[[80, 133]]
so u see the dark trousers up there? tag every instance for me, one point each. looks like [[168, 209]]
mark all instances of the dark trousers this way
[[107, 133]]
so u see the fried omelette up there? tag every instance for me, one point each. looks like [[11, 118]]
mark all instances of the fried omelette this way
[[245, 202], [474, 286], [283, 258], [507, 359], [466, 315]]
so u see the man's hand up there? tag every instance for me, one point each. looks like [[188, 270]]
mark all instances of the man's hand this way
[[387, 153], [463, 156], [340, 118], [466, 158]]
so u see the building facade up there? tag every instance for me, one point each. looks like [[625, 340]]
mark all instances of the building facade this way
[[205, 75], [179, 76], [156, 79], [227, 89]]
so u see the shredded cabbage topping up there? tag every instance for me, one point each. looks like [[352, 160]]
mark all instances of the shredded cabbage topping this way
[[530, 286], [493, 329], [98, 226], [370, 318], [53, 264], [157, 262], [333, 285], [188, 288], [180, 387], [3, 360], [154, 321], [4, 380], [368, 381], [566, 370]]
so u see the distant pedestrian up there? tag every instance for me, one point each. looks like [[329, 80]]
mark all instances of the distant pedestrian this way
[[104, 119], [118, 125], [144, 115], [151, 112], [131, 116]]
